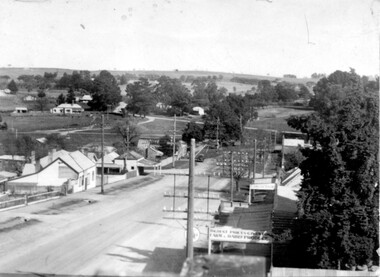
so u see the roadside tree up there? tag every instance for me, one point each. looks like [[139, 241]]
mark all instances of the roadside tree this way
[[140, 97], [338, 199], [105, 92], [165, 145], [192, 130], [130, 133]]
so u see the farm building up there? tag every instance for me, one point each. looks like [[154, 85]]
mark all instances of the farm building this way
[[85, 99], [67, 109], [119, 108], [60, 168], [29, 98], [199, 110], [21, 110]]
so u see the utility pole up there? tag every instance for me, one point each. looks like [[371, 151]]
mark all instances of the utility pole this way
[[190, 202], [174, 133], [217, 133], [264, 158], [241, 129], [232, 177], [254, 160], [102, 179], [128, 138]]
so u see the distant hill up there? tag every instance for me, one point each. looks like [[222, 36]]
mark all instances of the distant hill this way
[[14, 72]]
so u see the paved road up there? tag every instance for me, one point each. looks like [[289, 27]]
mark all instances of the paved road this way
[[122, 232]]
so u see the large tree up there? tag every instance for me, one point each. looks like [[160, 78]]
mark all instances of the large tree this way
[[105, 92], [12, 86], [130, 133], [173, 94], [140, 97], [192, 130], [221, 119], [70, 97], [338, 199]]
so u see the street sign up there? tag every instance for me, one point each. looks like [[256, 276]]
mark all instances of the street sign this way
[[229, 234], [263, 186]]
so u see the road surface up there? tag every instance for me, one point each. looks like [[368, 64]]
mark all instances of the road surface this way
[[123, 232]]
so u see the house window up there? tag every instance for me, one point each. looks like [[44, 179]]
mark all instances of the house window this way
[[93, 175]]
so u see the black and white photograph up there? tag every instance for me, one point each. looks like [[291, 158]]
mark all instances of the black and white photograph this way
[[189, 138]]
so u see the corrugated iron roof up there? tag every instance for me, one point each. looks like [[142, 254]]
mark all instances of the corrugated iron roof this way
[[77, 160]]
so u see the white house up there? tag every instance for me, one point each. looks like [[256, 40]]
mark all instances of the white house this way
[[59, 168], [29, 98], [67, 109], [119, 108], [85, 98], [199, 110]]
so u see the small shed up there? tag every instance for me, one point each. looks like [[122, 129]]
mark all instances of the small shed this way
[[21, 110], [199, 110]]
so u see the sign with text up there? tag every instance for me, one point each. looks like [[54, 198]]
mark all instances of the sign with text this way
[[228, 234], [263, 186]]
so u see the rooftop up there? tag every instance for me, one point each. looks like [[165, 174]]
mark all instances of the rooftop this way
[[131, 155], [77, 160], [12, 158], [65, 106]]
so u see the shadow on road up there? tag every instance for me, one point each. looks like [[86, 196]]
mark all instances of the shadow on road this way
[[161, 259]]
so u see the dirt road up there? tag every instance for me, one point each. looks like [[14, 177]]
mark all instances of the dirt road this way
[[123, 232]]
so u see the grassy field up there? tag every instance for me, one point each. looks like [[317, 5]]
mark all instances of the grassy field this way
[[10, 102], [270, 118]]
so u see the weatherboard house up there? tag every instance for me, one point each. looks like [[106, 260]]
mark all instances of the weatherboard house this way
[[71, 171], [67, 109]]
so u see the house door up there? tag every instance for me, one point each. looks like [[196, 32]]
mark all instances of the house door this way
[[85, 183]]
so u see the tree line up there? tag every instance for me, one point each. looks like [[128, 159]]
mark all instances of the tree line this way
[[337, 226]]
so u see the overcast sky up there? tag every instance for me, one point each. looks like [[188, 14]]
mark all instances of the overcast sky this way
[[272, 37]]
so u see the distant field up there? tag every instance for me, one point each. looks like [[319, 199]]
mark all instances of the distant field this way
[[270, 118], [161, 127], [274, 118], [15, 72], [11, 101]]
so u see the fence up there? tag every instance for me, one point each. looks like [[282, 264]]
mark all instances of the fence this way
[[27, 199]]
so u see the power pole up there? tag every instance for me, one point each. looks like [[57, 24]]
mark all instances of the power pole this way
[[102, 179], [241, 129], [174, 133], [217, 133], [190, 202], [264, 158], [232, 177], [127, 138], [254, 159]]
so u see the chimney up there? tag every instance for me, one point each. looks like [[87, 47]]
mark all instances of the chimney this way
[[51, 155], [33, 157]]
